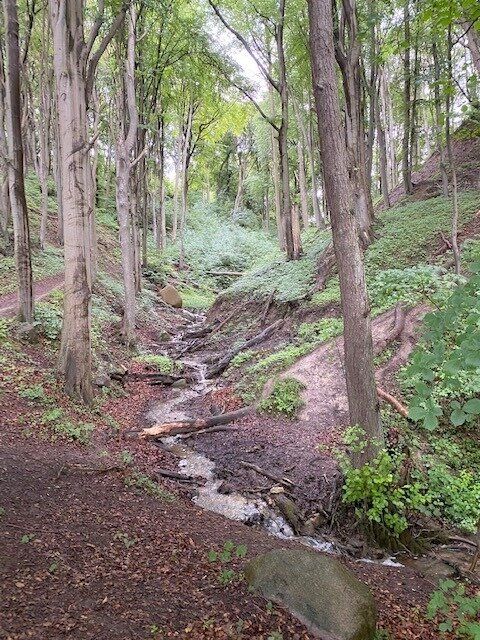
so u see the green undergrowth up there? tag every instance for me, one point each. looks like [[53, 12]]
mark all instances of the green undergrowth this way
[[284, 398], [197, 299], [404, 234], [289, 280], [266, 365], [158, 362]]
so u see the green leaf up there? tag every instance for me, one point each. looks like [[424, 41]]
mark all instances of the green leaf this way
[[212, 555], [430, 422], [458, 417], [241, 551], [416, 413], [472, 406]]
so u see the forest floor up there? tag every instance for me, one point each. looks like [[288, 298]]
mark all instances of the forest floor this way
[[92, 549]]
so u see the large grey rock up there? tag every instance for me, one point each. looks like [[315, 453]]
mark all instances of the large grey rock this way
[[171, 296], [318, 590]]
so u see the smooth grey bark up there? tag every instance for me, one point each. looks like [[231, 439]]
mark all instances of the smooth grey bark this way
[[185, 159], [438, 116], [18, 200], [451, 158], [75, 360], [5, 211], [124, 147], [407, 82], [358, 346]]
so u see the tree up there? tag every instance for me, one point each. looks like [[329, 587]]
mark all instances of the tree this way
[[359, 372], [126, 138], [75, 64], [18, 200]]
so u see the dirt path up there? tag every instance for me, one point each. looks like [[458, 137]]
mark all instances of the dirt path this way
[[8, 302]]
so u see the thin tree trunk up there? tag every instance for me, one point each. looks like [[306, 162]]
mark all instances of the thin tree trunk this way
[[451, 159], [317, 211], [5, 210], [44, 129], [123, 165], [293, 253], [359, 371], [382, 150], [184, 181], [15, 166], [438, 116], [302, 182], [407, 81], [240, 187], [473, 43], [275, 162]]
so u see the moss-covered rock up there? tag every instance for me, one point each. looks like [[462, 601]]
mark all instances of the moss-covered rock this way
[[318, 590]]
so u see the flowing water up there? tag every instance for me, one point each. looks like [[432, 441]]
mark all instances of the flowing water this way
[[235, 506]]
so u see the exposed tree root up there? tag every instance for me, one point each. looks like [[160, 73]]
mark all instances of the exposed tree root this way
[[396, 404]]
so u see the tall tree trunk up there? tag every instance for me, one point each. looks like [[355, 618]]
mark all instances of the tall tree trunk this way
[[75, 362], [451, 158], [348, 56], [382, 150], [302, 182], [5, 210], [15, 166], [317, 211], [161, 234], [275, 171], [241, 181], [438, 117], [473, 43], [407, 81], [293, 252], [125, 143], [359, 371], [44, 129], [187, 139]]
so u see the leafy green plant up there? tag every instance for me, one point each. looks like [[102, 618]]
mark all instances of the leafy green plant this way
[[27, 537], [227, 554], [458, 612], [284, 398], [79, 432], [123, 537], [446, 365], [4, 330], [142, 482], [375, 489], [48, 317], [35, 393], [321, 331]]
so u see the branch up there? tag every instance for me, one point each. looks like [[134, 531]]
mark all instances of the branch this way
[[138, 158], [95, 28], [247, 47], [114, 27]]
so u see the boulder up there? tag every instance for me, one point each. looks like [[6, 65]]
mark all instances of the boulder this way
[[171, 296], [318, 590]]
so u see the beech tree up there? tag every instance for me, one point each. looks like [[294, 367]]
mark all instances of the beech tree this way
[[16, 192], [75, 64], [358, 347]]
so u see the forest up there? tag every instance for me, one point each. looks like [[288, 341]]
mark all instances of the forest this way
[[240, 319]]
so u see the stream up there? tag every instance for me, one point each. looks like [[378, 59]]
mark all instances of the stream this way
[[255, 510]]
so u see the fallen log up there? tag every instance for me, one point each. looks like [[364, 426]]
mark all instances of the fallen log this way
[[223, 363], [396, 404], [174, 475], [267, 474], [225, 273], [192, 426], [215, 429]]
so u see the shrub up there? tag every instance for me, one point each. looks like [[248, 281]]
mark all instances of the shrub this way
[[284, 398], [458, 611]]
